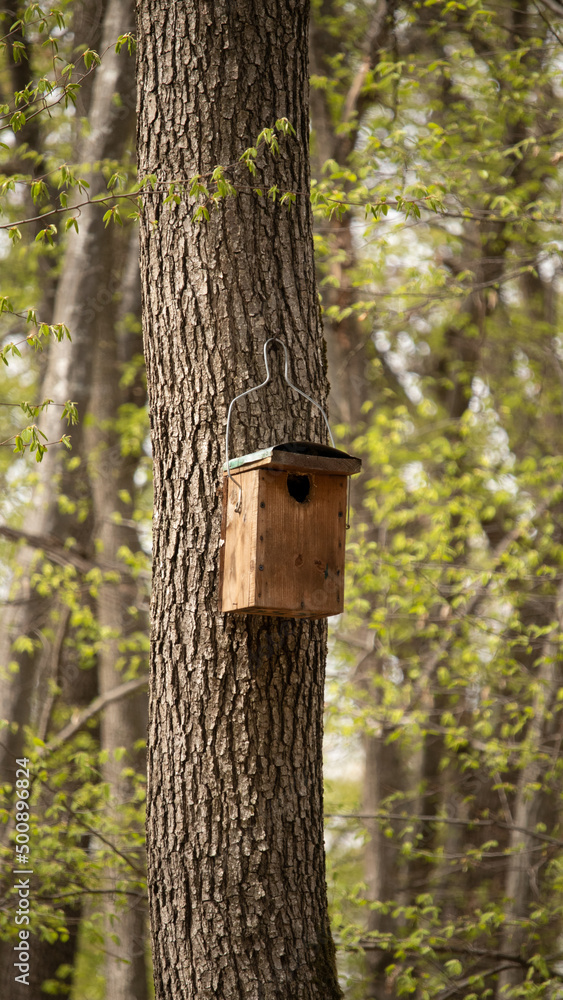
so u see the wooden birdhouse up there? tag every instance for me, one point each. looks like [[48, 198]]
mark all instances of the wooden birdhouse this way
[[284, 531]]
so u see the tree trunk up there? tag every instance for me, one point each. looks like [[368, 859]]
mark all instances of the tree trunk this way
[[234, 829], [383, 776], [123, 722]]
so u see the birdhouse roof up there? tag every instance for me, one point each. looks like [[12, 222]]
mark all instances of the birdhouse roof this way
[[299, 456]]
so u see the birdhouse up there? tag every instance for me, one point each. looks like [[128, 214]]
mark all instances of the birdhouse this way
[[284, 534], [285, 513]]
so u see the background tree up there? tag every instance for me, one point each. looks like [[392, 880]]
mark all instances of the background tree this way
[[445, 640], [436, 181], [64, 638]]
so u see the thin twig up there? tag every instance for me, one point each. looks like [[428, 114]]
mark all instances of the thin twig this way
[[94, 708], [449, 821]]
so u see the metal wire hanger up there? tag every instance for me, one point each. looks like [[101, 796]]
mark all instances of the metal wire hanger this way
[[255, 388]]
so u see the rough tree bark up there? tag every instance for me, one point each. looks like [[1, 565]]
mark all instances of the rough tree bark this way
[[234, 829]]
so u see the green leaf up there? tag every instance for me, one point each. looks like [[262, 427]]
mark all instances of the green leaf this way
[[91, 58]]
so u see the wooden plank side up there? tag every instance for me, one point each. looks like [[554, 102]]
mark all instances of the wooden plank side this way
[[224, 494], [300, 546], [239, 555]]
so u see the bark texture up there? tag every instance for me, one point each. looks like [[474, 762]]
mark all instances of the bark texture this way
[[235, 828]]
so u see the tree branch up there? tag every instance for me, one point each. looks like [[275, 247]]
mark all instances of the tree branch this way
[[96, 706], [449, 821], [56, 550], [353, 104], [452, 949], [553, 5], [371, 48], [59, 553], [474, 600], [460, 984]]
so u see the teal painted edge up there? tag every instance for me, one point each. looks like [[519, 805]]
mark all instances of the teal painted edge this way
[[235, 463]]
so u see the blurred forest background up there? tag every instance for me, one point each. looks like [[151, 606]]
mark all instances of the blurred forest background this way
[[437, 165]]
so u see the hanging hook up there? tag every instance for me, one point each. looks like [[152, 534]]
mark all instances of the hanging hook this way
[[255, 388]]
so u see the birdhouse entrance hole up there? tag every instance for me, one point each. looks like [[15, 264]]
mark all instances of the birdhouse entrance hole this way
[[298, 487]]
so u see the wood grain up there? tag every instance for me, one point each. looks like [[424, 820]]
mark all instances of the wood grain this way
[[282, 557], [238, 554]]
